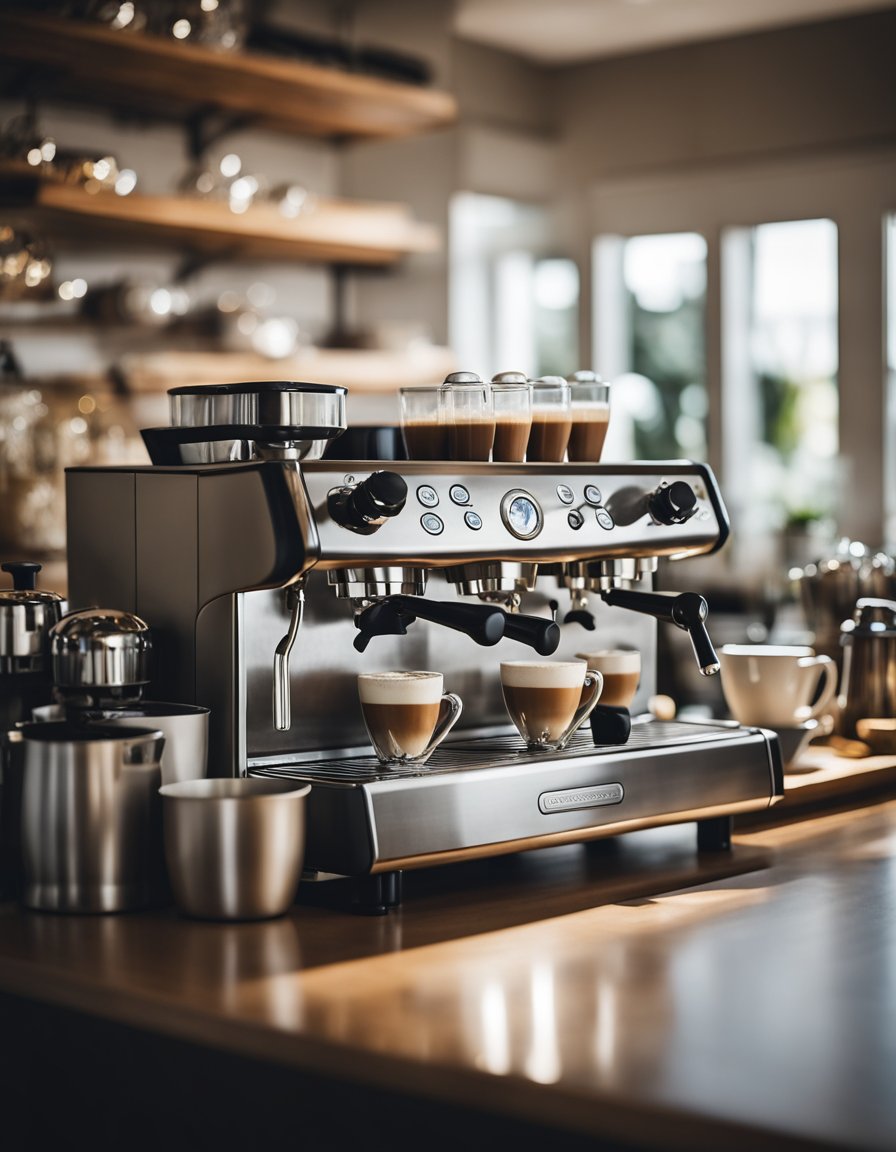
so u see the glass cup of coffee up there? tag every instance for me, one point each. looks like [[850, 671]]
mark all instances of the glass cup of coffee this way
[[425, 435], [466, 409], [551, 420], [590, 407], [512, 404], [548, 701], [407, 714], [621, 670]]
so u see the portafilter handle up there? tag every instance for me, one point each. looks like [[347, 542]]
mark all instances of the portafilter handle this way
[[686, 610], [391, 616], [539, 633]]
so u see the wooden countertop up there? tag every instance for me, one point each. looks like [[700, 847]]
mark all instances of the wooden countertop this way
[[636, 993]]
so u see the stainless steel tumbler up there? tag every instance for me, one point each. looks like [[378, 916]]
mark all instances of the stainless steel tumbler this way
[[91, 818]]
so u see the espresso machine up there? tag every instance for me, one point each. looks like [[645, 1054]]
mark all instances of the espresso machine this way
[[271, 575]]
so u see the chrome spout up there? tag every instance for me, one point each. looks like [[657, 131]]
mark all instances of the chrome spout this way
[[295, 601]]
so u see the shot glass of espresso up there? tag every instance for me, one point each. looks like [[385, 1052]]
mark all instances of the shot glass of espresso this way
[[551, 420], [407, 714], [425, 434], [590, 411], [548, 701], [621, 670], [466, 410], [512, 404]]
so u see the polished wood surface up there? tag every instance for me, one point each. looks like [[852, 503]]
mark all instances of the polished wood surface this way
[[83, 61], [635, 992]]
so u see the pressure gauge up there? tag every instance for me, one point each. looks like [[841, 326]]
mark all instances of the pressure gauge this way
[[521, 514]]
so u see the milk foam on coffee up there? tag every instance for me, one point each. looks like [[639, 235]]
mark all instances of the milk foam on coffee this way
[[400, 687], [538, 674]]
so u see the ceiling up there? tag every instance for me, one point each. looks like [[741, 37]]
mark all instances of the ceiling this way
[[570, 31]]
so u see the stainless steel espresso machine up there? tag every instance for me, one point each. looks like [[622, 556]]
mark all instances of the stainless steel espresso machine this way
[[271, 575]]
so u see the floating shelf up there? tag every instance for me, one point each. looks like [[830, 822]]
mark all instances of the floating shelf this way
[[361, 370], [163, 77], [333, 231]]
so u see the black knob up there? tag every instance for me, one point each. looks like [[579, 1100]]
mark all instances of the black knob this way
[[364, 507], [673, 504], [24, 574]]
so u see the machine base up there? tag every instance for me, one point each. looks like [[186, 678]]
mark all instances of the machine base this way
[[488, 797]]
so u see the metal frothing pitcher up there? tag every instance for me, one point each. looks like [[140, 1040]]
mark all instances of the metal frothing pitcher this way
[[868, 683]]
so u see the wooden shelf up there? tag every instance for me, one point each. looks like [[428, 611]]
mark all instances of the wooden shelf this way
[[361, 370], [333, 231], [161, 77]]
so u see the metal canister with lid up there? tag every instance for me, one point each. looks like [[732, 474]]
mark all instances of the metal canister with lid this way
[[27, 616], [100, 654]]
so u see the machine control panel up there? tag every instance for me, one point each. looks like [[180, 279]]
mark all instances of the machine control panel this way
[[441, 512]]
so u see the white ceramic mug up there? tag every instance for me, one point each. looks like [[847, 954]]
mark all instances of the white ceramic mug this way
[[774, 686]]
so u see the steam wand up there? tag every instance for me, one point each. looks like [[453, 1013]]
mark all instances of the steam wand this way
[[295, 602], [686, 610]]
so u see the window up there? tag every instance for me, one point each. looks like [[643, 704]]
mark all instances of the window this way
[[513, 306], [890, 416], [780, 406], [652, 315]]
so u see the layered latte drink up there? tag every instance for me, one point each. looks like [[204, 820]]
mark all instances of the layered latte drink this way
[[621, 670], [548, 700], [406, 713]]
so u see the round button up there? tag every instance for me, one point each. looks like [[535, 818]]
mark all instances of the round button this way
[[427, 496], [604, 518], [459, 494], [592, 494], [575, 518], [521, 514], [473, 520], [432, 524], [566, 494]]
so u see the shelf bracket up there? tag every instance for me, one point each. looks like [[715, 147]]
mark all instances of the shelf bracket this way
[[206, 126], [196, 261]]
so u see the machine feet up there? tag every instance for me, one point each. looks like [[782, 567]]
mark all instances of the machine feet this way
[[376, 895], [714, 834]]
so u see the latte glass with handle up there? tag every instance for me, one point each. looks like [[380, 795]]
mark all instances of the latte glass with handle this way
[[407, 715], [776, 686], [548, 701]]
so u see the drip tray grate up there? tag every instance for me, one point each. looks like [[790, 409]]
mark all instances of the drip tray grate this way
[[499, 751]]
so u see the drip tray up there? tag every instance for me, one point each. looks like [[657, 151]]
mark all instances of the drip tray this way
[[496, 751]]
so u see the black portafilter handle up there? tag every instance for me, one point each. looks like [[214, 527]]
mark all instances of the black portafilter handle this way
[[686, 610], [540, 634], [482, 623]]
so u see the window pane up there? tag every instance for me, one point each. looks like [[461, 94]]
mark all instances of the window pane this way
[[651, 297], [890, 439], [780, 351], [512, 306]]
